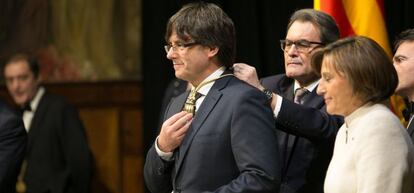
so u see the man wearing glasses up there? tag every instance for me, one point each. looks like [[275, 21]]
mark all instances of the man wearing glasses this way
[[220, 136], [305, 131]]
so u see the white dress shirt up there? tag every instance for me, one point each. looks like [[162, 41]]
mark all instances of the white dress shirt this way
[[28, 115]]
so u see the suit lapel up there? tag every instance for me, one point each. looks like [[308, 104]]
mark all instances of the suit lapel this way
[[287, 92], [290, 140], [310, 100], [35, 126], [177, 105], [202, 114]]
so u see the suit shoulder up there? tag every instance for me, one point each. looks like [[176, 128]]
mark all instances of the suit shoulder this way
[[237, 84], [240, 90], [56, 102], [54, 98], [6, 110], [8, 115], [277, 77], [272, 81]]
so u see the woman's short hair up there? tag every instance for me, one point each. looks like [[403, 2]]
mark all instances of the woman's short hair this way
[[364, 64]]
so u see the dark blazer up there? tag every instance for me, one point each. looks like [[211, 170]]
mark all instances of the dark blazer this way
[[58, 155], [306, 135], [230, 146], [13, 141]]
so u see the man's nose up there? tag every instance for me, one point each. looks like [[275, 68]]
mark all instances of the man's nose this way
[[292, 50]]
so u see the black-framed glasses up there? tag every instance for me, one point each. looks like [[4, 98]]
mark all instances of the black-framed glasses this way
[[300, 45], [179, 46]]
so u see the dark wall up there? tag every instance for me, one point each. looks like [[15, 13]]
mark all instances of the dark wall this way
[[259, 25]]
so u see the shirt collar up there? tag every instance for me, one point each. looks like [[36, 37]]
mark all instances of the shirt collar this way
[[216, 74], [35, 102], [310, 87]]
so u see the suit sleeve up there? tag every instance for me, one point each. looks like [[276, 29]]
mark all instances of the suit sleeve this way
[[307, 122], [312, 123], [76, 150], [157, 173], [254, 145], [13, 141]]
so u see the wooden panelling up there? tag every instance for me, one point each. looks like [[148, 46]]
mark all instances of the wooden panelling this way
[[132, 182], [104, 139], [132, 131], [125, 94]]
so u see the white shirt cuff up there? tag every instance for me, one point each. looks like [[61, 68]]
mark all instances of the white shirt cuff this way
[[278, 105], [167, 156]]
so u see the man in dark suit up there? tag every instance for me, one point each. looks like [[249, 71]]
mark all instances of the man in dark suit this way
[[404, 64], [58, 158], [306, 133], [229, 144], [13, 142]]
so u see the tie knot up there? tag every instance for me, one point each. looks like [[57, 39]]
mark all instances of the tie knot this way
[[299, 94], [190, 103], [194, 95], [25, 107]]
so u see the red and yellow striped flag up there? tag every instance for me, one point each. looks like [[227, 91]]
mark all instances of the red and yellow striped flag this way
[[356, 17]]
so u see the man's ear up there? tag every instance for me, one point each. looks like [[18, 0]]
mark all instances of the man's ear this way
[[213, 51]]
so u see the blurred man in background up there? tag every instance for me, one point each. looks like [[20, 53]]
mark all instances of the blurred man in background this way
[[58, 158]]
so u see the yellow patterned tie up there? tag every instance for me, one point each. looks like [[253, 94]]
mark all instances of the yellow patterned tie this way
[[190, 103]]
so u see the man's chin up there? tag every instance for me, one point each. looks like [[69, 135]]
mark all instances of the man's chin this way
[[19, 102], [180, 75], [292, 74]]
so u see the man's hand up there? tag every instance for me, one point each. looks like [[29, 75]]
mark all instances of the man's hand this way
[[248, 74], [173, 131]]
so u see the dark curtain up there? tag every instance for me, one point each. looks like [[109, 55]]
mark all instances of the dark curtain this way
[[399, 16], [259, 25]]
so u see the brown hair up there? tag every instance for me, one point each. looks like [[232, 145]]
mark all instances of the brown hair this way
[[31, 61], [326, 25], [365, 65], [208, 25]]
